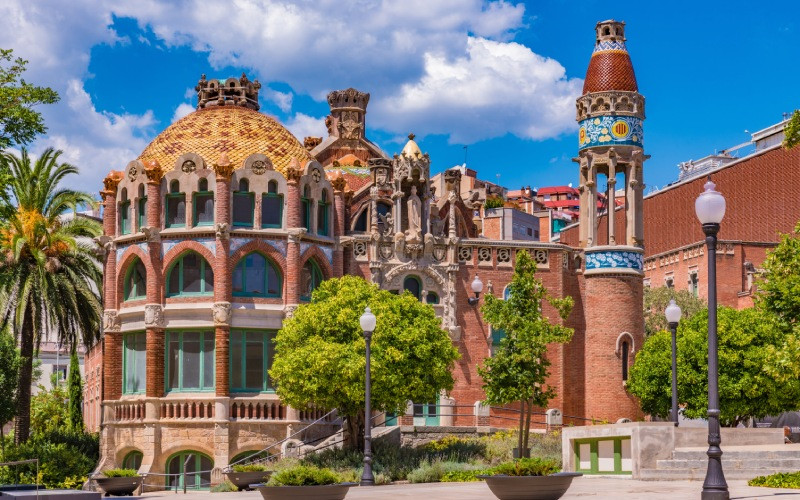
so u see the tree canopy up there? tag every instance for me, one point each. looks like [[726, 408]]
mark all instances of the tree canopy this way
[[9, 366], [657, 299], [19, 121], [518, 370], [320, 351], [792, 131], [779, 287], [746, 389]]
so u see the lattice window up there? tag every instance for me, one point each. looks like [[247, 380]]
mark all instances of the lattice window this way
[[465, 254], [484, 254], [504, 256], [360, 250]]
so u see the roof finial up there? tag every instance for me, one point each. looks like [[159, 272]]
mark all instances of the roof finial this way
[[411, 137]]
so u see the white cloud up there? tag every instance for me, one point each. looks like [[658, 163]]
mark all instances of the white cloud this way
[[302, 126], [182, 110], [281, 99]]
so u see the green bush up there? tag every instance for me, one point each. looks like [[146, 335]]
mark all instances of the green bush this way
[[493, 202], [527, 467], [434, 472], [463, 476], [60, 465], [500, 445], [304, 475], [120, 473], [224, 487], [455, 449], [250, 468], [779, 480]]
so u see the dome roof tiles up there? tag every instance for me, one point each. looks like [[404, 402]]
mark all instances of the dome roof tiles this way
[[610, 69]]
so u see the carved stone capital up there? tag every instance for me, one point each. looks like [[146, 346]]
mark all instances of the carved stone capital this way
[[296, 234], [153, 172], [152, 234], [294, 171], [154, 316], [221, 313], [223, 168], [338, 182], [112, 180], [111, 322], [106, 245], [222, 230]]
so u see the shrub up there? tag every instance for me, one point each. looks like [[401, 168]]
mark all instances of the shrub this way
[[120, 473], [455, 449], [250, 468], [60, 465], [779, 480], [463, 476], [527, 467], [303, 475], [433, 472], [224, 487], [493, 202]]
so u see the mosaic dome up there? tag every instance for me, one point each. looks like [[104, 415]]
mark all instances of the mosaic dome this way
[[610, 67], [235, 130]]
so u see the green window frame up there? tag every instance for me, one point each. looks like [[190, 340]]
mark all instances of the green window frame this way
[[201, 197], [133, 287], [322, 214], [133, 460], [594, 452], [432, 298], [189, 367], [125, 217], [198, 475], [175, 197], [206, 277], [241, 196], [270, 201], [251, 354], [417, 283], [142, 212], [305, 202], [269, 277], [310, 278], [134, 363]]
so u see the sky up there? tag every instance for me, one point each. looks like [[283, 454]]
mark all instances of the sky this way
[[498, 77]]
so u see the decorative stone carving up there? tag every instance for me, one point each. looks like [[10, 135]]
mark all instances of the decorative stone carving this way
[[223, 167], [484, 255], [221, 313], [464, 254], [222, 230], [112, 180], [153, 172], [106, 244], [386, 250], [349, 125], [542, 257], [188, 167], [154, 316], [259, 167], [296, 234], [439, 252], [233, 91], [152, 234], [316, 175], [111, 321], [294, 171], [504, 256], [288, 311], [132, 173]]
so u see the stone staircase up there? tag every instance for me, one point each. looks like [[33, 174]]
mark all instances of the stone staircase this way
[[738, 462]]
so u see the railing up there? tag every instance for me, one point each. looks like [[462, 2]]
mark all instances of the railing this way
[[185, 409], [128, 411], [317, 414], [257, 409]]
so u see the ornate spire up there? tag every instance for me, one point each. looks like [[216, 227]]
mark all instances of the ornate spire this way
[[230, 92], [348, 112], [610, 67]]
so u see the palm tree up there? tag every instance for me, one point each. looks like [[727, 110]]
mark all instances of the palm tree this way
[[50, 277]]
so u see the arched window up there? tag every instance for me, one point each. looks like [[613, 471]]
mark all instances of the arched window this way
[[625, 352], [132, 460], [190, 275], [310, 278], [203, 204], [305, 203], [361, 221], [135, 281], [124, 213], [432, 298], [142, 208], [413, 285], [272, 206], [322, 214], [256, 276], [243, 205], [197, 472], [176, 206]]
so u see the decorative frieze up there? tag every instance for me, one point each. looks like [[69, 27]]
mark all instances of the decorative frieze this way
[[154, 316], [111, 321], [221, 313]]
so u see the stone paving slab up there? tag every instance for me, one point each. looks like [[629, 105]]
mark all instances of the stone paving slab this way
[[582, 487]]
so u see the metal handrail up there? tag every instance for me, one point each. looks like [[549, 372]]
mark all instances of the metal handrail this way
[[28, 461]]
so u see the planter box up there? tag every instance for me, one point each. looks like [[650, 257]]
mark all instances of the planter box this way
[[327, 492], [550, 487], [120, 486], [243, 480]]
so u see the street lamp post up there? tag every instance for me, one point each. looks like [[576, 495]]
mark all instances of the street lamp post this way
[[673, 314], [710, 209], [477, 287], [367, 321]]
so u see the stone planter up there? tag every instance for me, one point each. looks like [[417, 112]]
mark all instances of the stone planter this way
[[550, 487], [119, 486], [327, 492], [243, 480]]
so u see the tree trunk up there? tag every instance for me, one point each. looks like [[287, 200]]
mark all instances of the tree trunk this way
[[521, 427], [22, 423], [527, 453], [353, 431]]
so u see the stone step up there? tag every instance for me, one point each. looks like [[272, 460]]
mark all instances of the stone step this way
[[740, 452], [700, 474], [733, 463]]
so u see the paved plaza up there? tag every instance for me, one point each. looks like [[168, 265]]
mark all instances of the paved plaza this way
[[584, 487]]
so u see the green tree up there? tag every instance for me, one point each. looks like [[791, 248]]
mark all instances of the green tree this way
[[50, 278], [518, 370], [19, 121], [779, 287], [75, 390], [9, 367], [50, 408], [320, 353], [656, 301], [746, 389], [792, 131]]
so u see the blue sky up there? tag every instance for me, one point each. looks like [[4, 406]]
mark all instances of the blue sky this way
[[500, 77]]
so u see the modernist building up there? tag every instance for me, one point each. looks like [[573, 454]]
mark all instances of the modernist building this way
[[226, 223]]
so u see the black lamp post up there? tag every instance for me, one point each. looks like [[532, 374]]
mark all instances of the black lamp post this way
[[673, 314], [367, 321], [710, 209]]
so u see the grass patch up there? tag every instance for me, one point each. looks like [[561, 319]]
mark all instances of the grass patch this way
[[120, 473], [779, 480], [303, 475]]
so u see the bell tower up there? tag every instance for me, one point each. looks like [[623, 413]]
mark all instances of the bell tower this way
[[610, 114]]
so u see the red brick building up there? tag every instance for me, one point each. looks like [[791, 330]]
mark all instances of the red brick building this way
[[226, 223]]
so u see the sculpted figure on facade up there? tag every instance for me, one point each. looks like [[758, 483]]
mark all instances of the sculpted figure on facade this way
[[154, 316], [111, 321], [221, 313]]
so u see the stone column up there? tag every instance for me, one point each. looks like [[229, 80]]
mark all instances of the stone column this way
[[112, 359], [222, 276], [611, 204], [591, 209], [154, 313], [293, 223], [339, 187]]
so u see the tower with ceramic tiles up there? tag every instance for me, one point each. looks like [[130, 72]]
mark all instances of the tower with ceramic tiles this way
[[610, 115]]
